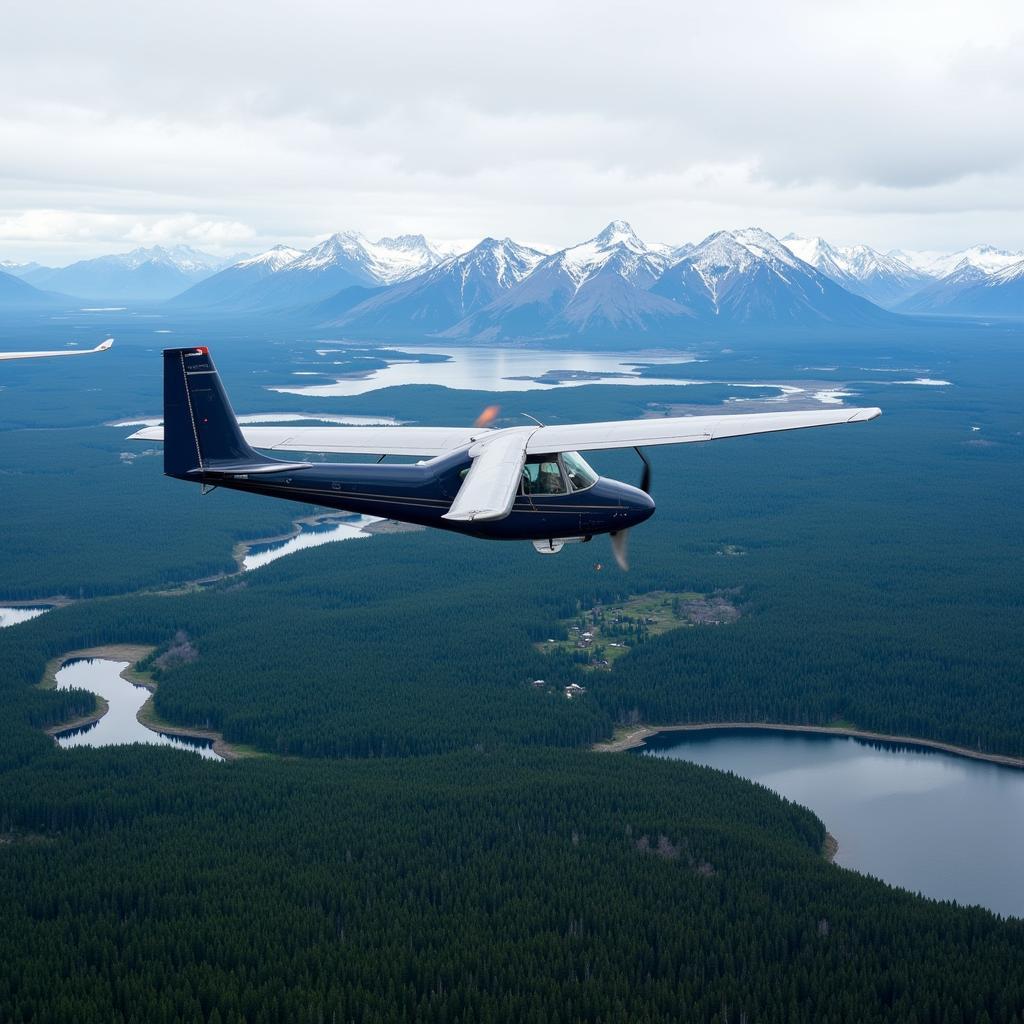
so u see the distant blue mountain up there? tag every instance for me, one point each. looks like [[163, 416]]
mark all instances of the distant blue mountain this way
[[942, 296], [18, 294], [23, 270], [148, 275], [978, 294], [234, 286]]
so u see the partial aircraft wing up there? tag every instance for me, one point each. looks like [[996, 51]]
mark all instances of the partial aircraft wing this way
[[431, 441], [588, 437], [101, 347]]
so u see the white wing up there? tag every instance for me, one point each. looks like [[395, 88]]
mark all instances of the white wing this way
[[682, 429], [432, 441], [489, 489], [102, 347], [350, 440]]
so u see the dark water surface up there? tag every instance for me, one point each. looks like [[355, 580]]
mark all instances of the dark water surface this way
[[948, 827], [119, 725]]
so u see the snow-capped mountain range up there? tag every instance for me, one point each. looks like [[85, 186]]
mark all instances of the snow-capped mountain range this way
[[613, 284], [884, 279], [938, 264], [345, 260], [446, 293], [749, 276]]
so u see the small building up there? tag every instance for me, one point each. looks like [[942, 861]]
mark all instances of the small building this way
[[574, 690]]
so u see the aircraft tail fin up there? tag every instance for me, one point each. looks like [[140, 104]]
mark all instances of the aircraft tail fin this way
[[201, 433]]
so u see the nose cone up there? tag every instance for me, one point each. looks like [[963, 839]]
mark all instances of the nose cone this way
[[639, 504]]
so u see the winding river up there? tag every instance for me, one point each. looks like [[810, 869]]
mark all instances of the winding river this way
[[124, 699]]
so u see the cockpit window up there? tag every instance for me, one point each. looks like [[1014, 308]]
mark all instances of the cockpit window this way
[[580, 475], [557, 474], [543, 475]]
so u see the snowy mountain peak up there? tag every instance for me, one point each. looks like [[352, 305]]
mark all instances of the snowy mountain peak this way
[[811, 250], [386, 261], [503, 261], [723, 250], [273, 259], [618, 247], [763, 244], [619, 232], [182, 257]]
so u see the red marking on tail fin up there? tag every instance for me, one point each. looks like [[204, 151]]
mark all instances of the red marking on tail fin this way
[[203, 350]]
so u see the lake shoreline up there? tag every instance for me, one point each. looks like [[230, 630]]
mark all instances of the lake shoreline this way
[[57, 601], [313, 519], [639, 735], [132, 653]]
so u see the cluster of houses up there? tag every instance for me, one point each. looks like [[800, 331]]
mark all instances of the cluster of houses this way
[[570, 691], [584, 638]]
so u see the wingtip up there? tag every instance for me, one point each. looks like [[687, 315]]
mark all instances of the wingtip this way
[[863, 415]]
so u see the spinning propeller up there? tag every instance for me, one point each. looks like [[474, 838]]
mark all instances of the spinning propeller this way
[[620, 539]]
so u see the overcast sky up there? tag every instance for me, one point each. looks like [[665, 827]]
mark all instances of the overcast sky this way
[[232, 126]]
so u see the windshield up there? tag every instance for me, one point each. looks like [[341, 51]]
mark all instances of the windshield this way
[[542, 475], [579, 473]]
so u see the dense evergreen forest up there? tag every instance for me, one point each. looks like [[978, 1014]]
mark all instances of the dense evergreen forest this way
[[429, 846]]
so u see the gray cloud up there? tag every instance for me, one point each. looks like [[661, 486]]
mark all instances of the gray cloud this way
[[241, 124]]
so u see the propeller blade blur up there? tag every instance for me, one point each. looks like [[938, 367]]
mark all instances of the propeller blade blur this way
[[620, 546], [488, 416]]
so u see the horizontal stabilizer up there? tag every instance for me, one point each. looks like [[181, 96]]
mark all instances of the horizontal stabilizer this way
[[249, 469], [413, 441]]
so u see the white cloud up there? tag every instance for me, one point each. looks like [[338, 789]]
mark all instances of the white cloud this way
[[260, 122]]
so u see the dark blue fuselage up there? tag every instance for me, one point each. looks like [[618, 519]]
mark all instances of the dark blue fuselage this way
[[203, 443], [422, 493]]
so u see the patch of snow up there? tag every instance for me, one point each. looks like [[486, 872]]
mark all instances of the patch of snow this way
[[833, 397]]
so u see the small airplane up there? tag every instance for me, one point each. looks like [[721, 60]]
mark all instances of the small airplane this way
[[101, 347], [512, 483]]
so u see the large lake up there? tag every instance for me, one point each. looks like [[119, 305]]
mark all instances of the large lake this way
[[948, 827], [124, 699]]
